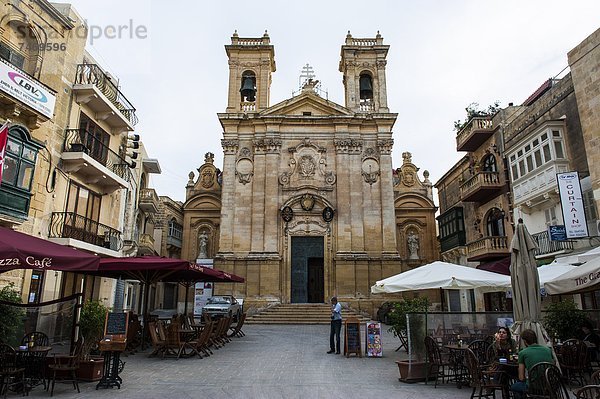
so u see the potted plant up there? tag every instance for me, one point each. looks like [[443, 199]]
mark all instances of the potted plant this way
[[413, 328], [11, 317], [91, 328], [564, 319]]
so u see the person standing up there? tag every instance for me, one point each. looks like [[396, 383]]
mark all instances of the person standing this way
[[336, 326]]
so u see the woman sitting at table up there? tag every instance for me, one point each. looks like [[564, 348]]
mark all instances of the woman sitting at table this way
[[504, 345]]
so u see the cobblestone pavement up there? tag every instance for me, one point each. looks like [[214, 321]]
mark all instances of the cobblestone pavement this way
[[278, 361]]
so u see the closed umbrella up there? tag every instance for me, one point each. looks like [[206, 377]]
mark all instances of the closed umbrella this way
[[525, 282]]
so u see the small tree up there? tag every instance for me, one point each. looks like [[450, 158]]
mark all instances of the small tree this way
[[563, 319], [11, 317], [417, 324], [91, 324]]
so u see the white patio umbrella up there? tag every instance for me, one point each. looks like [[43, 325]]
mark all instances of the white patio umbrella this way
[[442, 275], [525, 283], [581, 278]]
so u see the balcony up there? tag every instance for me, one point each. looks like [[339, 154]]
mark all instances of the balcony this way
[[481, 187], [92, 160], [148, 200], [546, 246], [470, 137], [146, 245], [96, 90], [68, 228], [537, 186], [452, 241], [488, 248]]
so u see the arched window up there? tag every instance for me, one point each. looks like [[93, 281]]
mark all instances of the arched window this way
[[20, 46], [366, 86], [489, 164], [495, 223], [17, 176]]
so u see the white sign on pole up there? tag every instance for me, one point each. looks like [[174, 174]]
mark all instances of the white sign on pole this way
[[26, 89], [572, 204]]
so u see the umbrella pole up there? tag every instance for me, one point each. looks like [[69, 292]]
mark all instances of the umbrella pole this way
[[145, 312], [185, 305]]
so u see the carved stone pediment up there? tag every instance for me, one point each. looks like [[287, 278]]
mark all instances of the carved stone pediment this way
[[307, 166]]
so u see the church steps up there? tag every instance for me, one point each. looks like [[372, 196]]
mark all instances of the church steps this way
[[299, 314]]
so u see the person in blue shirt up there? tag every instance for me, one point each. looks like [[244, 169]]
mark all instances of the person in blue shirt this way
[[336, 326]]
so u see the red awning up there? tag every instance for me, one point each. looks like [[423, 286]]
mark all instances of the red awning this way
[[501, 266], [23, 251], [151, 269]]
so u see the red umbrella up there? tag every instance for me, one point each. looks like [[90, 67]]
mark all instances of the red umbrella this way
[[23, 251]]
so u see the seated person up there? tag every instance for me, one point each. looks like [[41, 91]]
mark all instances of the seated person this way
[[528, 357], [504, 345], [591, 339]]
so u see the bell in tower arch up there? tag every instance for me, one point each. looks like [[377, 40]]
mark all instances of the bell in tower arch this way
[[366, 87], [248, 89]]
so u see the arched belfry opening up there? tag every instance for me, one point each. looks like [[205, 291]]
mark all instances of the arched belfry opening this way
[[366, 87], [248, 87]]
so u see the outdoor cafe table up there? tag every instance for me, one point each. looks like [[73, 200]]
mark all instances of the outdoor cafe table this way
[[33, 360], [456, 358]]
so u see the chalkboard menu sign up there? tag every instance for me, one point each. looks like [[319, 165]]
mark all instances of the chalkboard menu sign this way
[[116, 324], [352, 342], [373, 346]]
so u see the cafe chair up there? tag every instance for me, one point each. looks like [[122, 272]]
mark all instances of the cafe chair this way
[[588, 392], [64, 367], [37, 337], [438, 368], [485, 383], [555, 384], [595, 378], [537, 388], [236, 330], [11, 376], [480, 349], [573, 360]]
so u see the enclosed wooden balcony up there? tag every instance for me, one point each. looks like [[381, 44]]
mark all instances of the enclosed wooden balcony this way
[[97, 91], [488, 248], [474, 134], [481, 187], [148, 200]]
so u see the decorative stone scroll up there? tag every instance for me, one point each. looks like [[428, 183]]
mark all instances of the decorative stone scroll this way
[[244, 168], [307, 165], [370, 169]]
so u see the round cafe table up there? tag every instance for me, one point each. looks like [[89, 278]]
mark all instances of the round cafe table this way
[[33, 360]]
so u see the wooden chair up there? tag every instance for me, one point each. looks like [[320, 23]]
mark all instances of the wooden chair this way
[[588, 392], [175, 344], [203, 341], [401, 335], [11, 376], [66, 367], [236, 330], [437, 366], [159, 345], [134, 336], [538, 388], [484, 383], [573, 360], [555, 383]]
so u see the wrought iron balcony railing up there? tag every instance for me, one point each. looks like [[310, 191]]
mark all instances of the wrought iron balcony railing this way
[[80, 140], [92, 74], [71, 225], [547, 246]]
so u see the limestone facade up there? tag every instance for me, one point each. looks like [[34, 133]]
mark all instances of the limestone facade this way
[[308, 205]]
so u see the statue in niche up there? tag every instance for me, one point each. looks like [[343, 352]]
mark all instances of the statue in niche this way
[[202, 245], [413, 245]]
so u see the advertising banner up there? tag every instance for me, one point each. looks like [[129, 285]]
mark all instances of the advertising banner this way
[[202, 291], [557, 233], [374, 346], [572, 204], [26, 89]]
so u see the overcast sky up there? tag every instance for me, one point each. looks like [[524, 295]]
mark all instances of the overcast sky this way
[[444, 55]]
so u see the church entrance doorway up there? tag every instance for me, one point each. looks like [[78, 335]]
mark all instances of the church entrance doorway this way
[[307, 275]]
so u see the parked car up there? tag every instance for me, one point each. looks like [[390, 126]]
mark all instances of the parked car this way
[[221, 306], [384, 311]]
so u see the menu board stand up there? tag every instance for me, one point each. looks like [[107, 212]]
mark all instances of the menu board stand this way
[[352, 342], [114, 342], [373, 346]]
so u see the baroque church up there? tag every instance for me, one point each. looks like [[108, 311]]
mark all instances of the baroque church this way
[[308, 204]]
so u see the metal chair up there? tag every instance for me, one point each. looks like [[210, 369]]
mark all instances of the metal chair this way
[[537, 388], [480, 349], [37, 337], [484, 383], [573, 360], [588, 392], [11, 376], [437, 366], [555, 384]]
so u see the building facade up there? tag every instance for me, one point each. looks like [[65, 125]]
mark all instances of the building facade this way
[[308, 205]]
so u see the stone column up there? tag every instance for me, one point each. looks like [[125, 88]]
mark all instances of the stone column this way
[[388, 213]]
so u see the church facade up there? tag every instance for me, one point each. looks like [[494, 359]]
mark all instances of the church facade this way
[[308, 204]]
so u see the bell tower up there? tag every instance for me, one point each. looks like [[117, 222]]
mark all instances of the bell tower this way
[[363, 65], [251, 63]]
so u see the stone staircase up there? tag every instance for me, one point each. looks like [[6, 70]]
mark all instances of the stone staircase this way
[[301, 313]]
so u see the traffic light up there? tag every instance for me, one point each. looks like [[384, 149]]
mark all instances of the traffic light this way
[[133, 143]]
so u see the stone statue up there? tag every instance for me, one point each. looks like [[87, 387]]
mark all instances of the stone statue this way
[[413, 245], [202, 245]]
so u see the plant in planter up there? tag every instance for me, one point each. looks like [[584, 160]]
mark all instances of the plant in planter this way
[[564, 319], [11, 317], [91, 328]]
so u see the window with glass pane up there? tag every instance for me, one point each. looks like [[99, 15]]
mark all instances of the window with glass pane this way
[[515, 172], [530, 166], [19, 164], [522, 170], [558, 149], [547, 155], [538, 158]]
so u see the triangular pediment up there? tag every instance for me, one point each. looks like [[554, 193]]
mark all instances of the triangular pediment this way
[[307, 103]]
